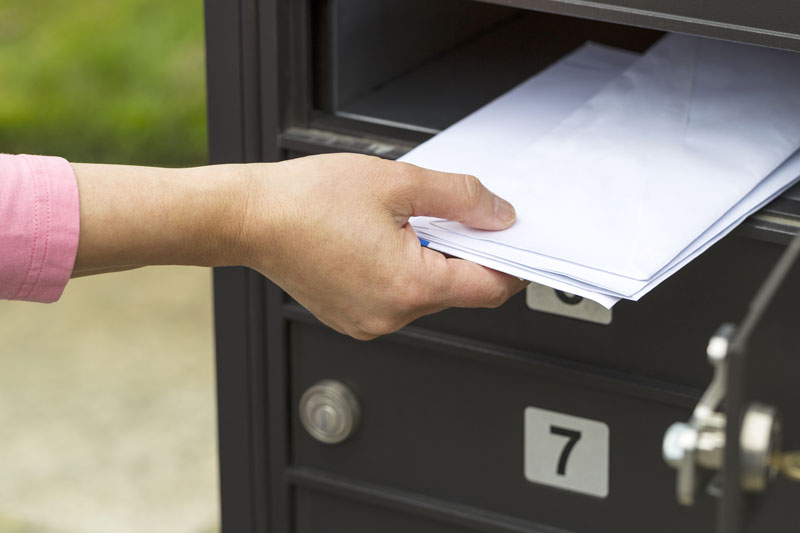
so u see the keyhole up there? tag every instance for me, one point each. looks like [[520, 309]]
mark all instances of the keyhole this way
[[569, 298]]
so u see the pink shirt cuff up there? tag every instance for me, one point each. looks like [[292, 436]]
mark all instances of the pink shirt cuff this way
[[39, 226]]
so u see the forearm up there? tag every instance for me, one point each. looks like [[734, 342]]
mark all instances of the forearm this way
[[133, 216]]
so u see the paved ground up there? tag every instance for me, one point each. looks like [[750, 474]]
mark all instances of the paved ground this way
[[107, 420]]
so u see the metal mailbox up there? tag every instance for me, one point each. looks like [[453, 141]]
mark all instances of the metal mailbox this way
[[537, 416]]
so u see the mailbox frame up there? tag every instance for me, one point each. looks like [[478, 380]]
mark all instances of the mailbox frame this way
[[260, 109]]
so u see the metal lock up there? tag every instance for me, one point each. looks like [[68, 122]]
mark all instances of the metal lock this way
[[329, 411], [701, 441], [759, 442], [547, 300]]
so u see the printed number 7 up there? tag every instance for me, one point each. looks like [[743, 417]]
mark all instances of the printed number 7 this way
[[572, 438]]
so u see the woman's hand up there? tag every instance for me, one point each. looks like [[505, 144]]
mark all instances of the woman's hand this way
[[332, 231]]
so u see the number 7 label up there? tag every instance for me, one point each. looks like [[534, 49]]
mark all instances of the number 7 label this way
[[566, 451]]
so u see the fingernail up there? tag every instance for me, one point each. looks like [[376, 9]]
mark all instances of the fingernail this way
[[504, 210]]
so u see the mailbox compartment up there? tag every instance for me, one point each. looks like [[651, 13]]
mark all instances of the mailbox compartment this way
[[444, 424]]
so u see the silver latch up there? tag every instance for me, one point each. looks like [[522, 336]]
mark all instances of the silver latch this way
[[701, 441]]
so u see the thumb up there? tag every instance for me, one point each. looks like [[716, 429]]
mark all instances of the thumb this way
[[458, 197]]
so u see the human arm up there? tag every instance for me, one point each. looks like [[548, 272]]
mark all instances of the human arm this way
[[331, 230]]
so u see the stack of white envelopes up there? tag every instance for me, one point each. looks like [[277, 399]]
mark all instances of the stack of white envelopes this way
[[623, 168]]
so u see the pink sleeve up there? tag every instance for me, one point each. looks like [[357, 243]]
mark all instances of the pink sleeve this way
[[39, 226]]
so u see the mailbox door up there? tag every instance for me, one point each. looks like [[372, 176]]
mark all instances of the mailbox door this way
[[764, 366]]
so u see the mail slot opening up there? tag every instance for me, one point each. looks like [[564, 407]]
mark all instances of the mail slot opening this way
[[414, 67]]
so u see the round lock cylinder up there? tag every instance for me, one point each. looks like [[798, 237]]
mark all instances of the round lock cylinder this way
[[329, 411], [759, 442]]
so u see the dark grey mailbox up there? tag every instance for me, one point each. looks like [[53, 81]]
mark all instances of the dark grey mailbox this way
[[503, 420]]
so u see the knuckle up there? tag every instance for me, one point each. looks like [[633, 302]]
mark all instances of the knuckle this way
[[398, 179], [497, 298], [383, 327], [405, 175], [471, 189], [375, 326], [362, 335]]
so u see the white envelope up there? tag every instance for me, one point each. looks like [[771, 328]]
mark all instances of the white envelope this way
[[631, 178], [514, 261], [777, 182], [499, 131]]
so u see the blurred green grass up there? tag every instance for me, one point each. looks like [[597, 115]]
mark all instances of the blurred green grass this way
[[114, 81]]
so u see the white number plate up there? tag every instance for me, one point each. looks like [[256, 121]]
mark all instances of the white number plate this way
[[566, 451]]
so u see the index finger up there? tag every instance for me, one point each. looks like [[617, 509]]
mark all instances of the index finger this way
[[461, 283]]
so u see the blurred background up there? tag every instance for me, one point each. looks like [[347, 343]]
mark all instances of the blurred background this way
[[107, 408]]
